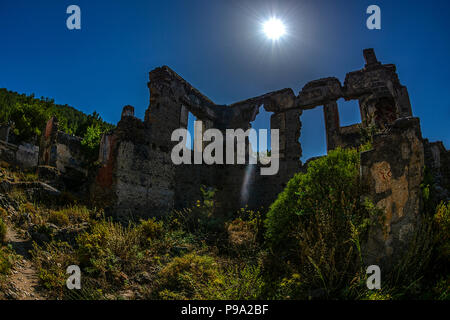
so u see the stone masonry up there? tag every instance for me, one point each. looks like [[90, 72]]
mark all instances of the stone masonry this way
[[137, 178]]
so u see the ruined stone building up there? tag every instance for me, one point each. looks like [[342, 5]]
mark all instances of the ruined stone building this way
[[24, 155], [136, 176]]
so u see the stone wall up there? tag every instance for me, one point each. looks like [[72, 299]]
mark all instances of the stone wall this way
[[138, 178], [24, 155], [65, 155], [393, 172]]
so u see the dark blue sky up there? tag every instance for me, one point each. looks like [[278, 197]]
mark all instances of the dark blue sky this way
[[218, 46]]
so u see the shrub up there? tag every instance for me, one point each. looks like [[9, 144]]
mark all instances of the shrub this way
[[110, 250], [191, 276], [51, 262], [59, 218], [242, 283], [240, 233], [243, 236], [91, 140], [69, 214], [151, 229], [442, 223], [317, 223], [201, 220], [3, 230], [377, 295], [29, 213], [6, 260]]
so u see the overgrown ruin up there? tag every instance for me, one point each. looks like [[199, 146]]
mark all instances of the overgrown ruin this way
[[136, 177]]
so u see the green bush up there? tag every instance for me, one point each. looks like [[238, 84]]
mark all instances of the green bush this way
[[110, 250], [30, 116], [151, 229], [318, 222], [59, 218], [65, 216], [442, 239], [51, 262], [91, 141], [191, 276], [242, 283]]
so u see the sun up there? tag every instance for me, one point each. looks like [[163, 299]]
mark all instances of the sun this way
[[274, 28]]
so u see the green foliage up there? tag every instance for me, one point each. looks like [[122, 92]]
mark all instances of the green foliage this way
[[441, 290], [324, 188], [191, 276], [59, 218], [377, 295], [91, 140], [51, 262], [90, 290], [30, 116], [109, 250], [406, 277], [442, 237], [242, 283], [201, 220], [3, 230], [318, 222], [6, 260], [151, 229], [245, 235], [73, 213], [367, 133]]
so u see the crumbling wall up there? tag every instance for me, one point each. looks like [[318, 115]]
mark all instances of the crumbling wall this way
[[24, 155], [393, 172], [63, 152], [27, 155], [130, 177], [138, 178]]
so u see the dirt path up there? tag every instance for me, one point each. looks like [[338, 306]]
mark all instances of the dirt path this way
[[23, 282]]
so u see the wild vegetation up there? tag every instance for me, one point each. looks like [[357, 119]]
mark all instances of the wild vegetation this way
[[29, 115], [307, 246]]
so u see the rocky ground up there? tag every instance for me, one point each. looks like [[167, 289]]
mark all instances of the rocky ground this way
[[23, 282]]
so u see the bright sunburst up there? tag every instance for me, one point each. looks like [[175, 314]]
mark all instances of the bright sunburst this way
[[274, 28]]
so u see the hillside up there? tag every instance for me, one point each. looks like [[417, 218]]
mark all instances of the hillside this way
[[30, 114]]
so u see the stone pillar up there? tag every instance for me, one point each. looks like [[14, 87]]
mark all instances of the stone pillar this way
[[278, 121], [392, 173], [47, 149], [403, 103], [331, 115], [127, 111], [370, 57]]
